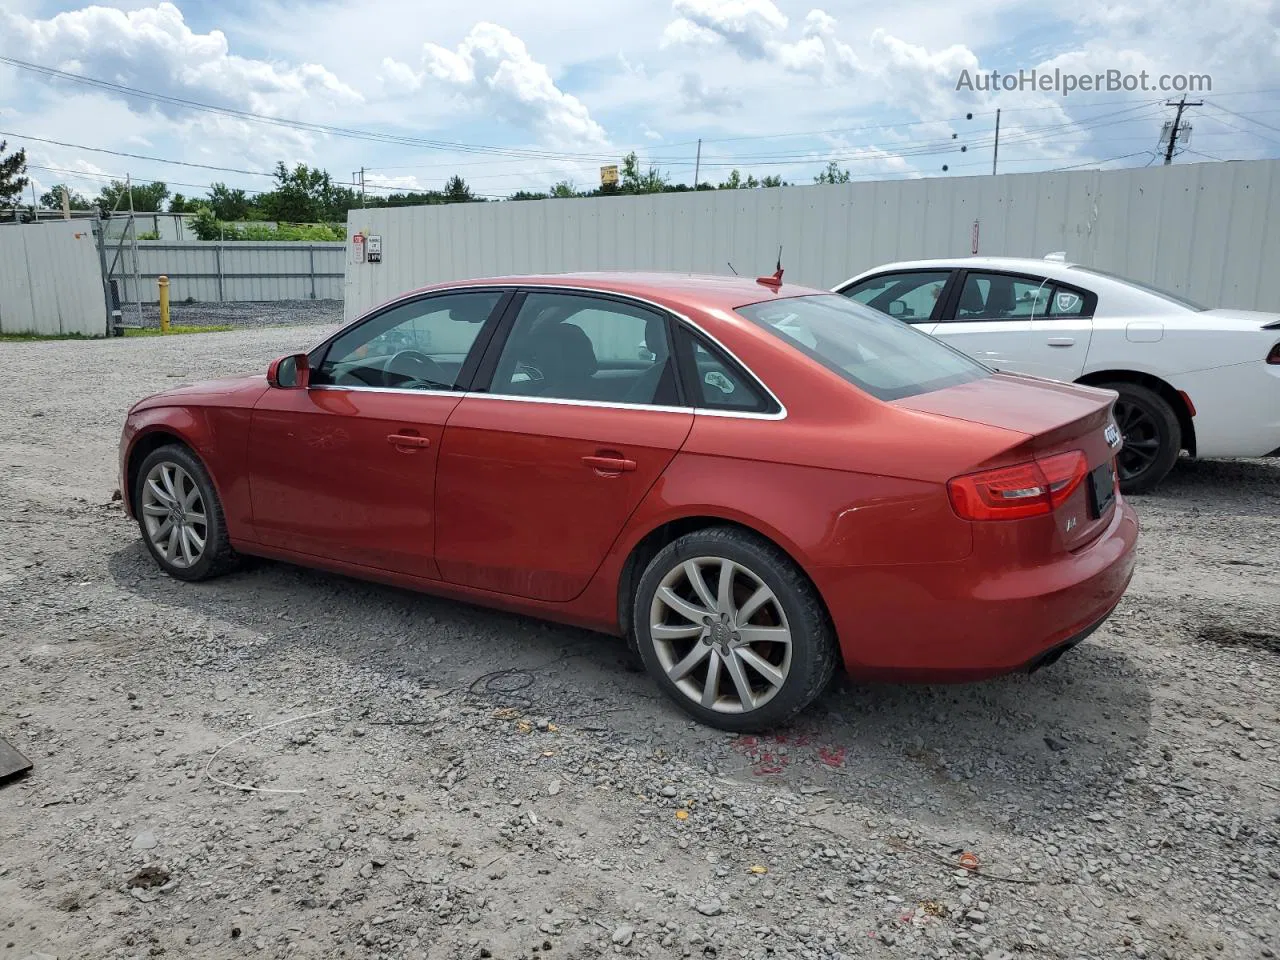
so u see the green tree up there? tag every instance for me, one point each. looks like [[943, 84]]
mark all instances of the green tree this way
[[731, 182], [302, 195], [51, 199], [457, 191], [774, 181], [180, 204], [833, 174], [633, 181], [147, 197], [227, 203], [527, 195], [564, 189], [12, 168]]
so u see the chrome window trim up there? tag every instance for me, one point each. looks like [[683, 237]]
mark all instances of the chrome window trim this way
[[600, 404], [780, 414]]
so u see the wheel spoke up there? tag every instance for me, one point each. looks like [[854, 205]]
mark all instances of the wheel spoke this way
[[172, 546], [754, 602], [682, 606], [167, 478], [740, 682], [196, 541], [162, 531], [197, 518], [761, 666], [192, 498], [691, 660], [724, 591], [158, 492], [711, 691], [155, 510], [699, 584], [185, 545], [666, 631], [765, 634]]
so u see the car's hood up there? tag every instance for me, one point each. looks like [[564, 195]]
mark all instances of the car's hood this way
[[242, 391]]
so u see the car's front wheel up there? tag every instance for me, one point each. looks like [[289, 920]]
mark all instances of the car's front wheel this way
[[732, 631], [1152, 436], [180, 515]]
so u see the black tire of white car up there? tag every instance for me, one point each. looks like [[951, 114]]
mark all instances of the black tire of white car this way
[[759, 568], [1159, 422], [215, 556]]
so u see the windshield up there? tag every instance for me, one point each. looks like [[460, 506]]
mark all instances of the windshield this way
[[1146, 288], [876, 353]]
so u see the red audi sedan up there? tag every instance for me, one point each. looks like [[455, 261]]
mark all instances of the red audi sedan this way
[[752, 481]]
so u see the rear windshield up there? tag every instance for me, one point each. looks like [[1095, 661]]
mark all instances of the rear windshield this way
[[885, 357], [1146, 288]]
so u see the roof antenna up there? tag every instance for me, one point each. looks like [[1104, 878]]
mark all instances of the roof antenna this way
[[735, 272], [774, 282]]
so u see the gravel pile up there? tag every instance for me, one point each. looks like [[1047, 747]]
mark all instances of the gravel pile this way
[[482, 785], [275, 313]]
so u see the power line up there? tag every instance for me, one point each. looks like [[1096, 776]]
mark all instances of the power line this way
[[319, 128], [137, 156]]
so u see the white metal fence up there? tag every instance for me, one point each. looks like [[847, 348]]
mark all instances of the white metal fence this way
[[1208, 230], [236, 270], [51, 279]]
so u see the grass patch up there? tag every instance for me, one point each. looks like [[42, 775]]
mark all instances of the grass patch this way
[[24, 337], [138, 332], [175, 329]]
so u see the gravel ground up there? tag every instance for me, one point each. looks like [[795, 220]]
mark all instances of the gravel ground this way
[[274, 314], [484, 785]]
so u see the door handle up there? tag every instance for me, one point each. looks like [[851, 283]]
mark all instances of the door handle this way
[[1062, 341], [610, 464], [407, 440]]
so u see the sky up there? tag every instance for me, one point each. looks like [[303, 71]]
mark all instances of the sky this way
[[515, 95]]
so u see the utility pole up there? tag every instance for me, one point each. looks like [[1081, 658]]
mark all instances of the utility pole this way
[[1175, 130], [362, 188], [697, 164], [995, 153]]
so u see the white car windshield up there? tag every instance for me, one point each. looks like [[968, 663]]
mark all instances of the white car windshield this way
[[876, 353]]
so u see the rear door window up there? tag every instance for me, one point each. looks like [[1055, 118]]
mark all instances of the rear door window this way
[[874, 352], [911, 295]]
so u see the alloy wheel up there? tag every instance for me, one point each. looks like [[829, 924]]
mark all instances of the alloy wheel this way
[[173, 511], [1141, 438], [720, 634]]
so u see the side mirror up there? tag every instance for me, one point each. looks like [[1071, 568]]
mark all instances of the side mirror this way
[[897, 308], [289, 373]]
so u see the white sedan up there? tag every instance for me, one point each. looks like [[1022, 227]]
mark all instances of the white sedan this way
[[1189, 378]]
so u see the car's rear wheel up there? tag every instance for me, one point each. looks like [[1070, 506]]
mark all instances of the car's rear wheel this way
[[1152, 436], [180, 515], [732, 631]]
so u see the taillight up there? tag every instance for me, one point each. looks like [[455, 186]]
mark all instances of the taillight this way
[[1029, 489], [1274, 356]]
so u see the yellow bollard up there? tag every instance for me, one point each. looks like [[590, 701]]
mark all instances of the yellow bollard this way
[[163, 282]]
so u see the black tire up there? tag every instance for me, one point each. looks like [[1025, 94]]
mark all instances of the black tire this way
[[1152, 436], [795, 602], [217, 556]]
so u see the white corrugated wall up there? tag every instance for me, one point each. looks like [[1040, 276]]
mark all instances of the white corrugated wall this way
[[1208, 230], [211, 272], [51, 280]]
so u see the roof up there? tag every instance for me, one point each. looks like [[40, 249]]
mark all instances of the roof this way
[[706, 291], [1041, 267]]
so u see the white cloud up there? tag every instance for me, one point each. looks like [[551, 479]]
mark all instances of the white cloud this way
[[696, 96], [748, 26], [492, 69], [153, 48]]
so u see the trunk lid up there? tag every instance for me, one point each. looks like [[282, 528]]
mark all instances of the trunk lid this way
[[1052, 418]]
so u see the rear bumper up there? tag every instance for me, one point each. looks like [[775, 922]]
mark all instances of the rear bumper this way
[[973, 620]]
